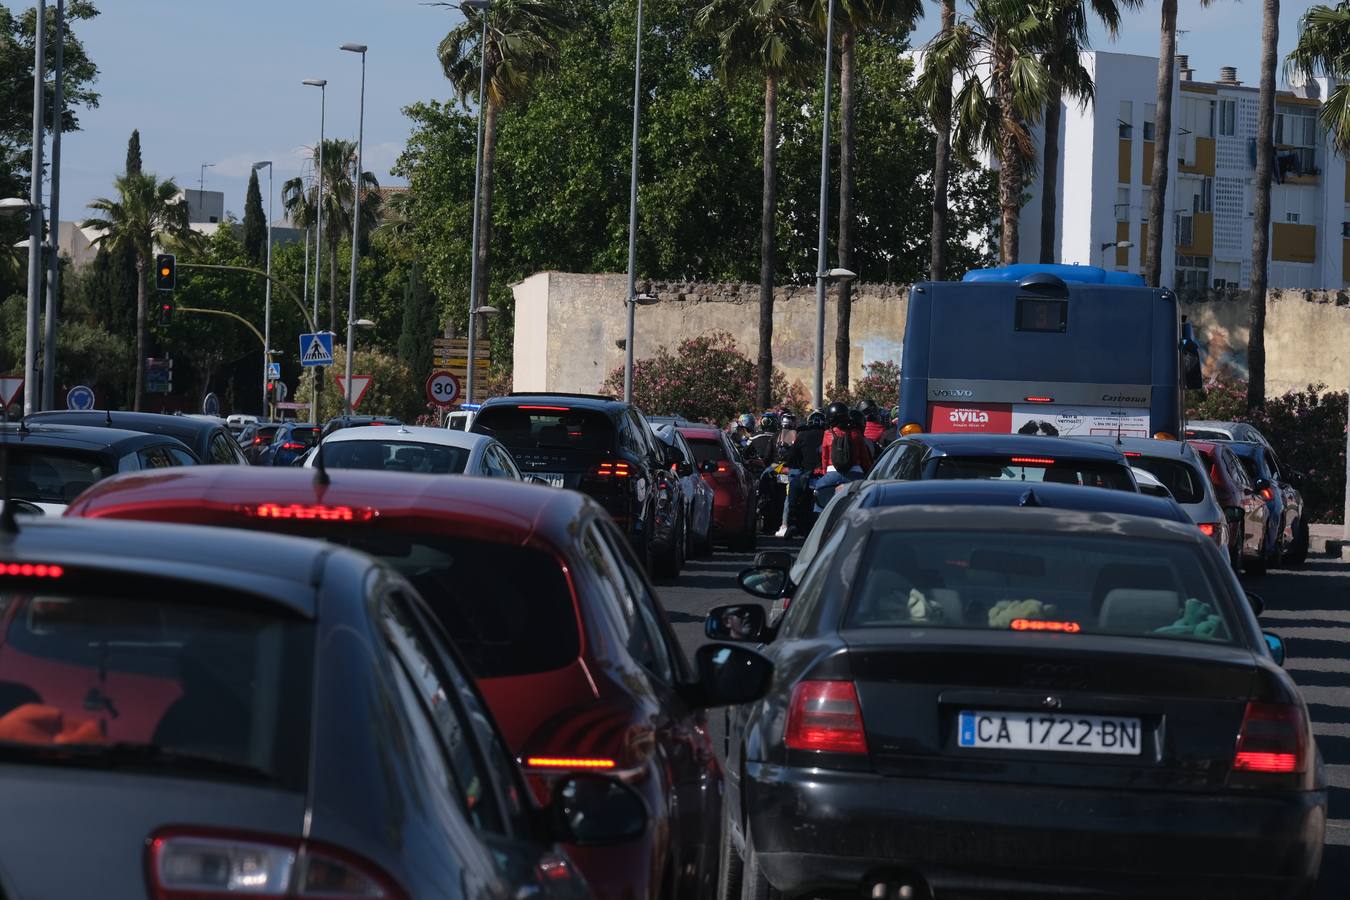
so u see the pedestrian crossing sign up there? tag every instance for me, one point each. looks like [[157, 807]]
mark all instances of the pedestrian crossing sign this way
[[316, 349]]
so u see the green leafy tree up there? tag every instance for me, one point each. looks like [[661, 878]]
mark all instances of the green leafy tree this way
[[1262, 176], [255, 222], [145, 210], [1324, 50], [394, 389], [774, 40]]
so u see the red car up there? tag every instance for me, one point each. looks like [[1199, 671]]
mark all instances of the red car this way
[[1234, 490], [733, 485], [555, 617]]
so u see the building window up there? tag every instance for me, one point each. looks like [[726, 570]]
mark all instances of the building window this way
[[1192, 273], [1185, 230], [1122, 204], [1150, 113], [1291, 217], [1203, 202], [1125, 122], [1295, 142], [1227, 118]]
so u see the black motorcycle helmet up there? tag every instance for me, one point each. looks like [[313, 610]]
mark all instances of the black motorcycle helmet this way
[[868, 407], [838, 414], [789, 422], [768, 424], [856, 420], [816, 419]]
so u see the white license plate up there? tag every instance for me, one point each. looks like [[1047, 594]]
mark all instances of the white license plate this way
[[1118, 735], [553, 478]]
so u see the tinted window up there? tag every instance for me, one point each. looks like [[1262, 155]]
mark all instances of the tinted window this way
[[49, 475], [154, 458], [395, 456], [659, 658], [1093, 474], [642, 644], [180, 457], [707, 450], [1178, 476], [547, 427], [508, 609], [222, 681], [305, 437], [1107, 584], [222, 454], [498, 465]]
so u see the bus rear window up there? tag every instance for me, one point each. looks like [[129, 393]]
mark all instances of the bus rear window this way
[[1037, 314], [1063, 471]]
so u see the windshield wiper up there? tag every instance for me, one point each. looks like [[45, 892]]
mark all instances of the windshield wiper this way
[[133, 755]]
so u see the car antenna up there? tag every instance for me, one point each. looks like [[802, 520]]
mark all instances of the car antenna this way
[[1030, 499], [23, 424], [107, 418], [321, 478], [8, 524]]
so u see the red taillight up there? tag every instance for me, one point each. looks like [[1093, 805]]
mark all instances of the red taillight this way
[[1039, 399], [315, 512], [613, 469], [547, 408], [1215, 531], [1267, 493], [569, 762], [1273, 739], [1032, 461], [258, 439], [292, 445], [825, 715], [1133, 453], [723, 467], [187, 865], [1042, 625], [31, 570]]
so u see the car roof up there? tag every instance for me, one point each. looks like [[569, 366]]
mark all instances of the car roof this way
[[85, 437], [1145, 446], [444, 437], [1016, 520], [179, 427], [487, 508], [1016, 494], [577, 401], [281, 569], [1017, 444]]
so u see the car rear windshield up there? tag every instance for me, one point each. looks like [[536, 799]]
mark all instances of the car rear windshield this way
[[306, 436], [1023, 582], [1178, 476], [707, 450], [1037, 469], [1206, 434], [395, 456], [50, 475], [546, 427], [509, 609], [144, 678]]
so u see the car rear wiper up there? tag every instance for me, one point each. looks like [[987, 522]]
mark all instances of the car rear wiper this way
[[133, 755]]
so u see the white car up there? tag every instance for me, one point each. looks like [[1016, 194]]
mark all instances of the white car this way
[[409, 448]]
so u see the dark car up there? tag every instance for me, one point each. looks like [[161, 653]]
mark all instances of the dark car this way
[[604, 448], [541, 592], [1274, 484], [49, 465], [696, 494], [1020, 458], [212, 713], [210, 442], [255, 439], [976, 701], [734, 486], [340, 422], [289, 445], [1235, 489]]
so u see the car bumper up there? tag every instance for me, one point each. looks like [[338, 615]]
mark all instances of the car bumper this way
[[817, 830]]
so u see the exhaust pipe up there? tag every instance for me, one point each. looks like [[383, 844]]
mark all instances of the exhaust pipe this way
[[904, 887]]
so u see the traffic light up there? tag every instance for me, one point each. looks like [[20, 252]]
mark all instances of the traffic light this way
[[166, 272], [166, 312]]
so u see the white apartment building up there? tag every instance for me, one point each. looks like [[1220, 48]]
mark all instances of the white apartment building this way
[[1106, 163]]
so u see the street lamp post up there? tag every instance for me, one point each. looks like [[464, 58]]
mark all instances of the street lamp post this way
[[818, 393], [35, 219], [54, 210], [1119, 245], [356, 222], [632, 303], [322, 85], [267, 305], [482, 7]]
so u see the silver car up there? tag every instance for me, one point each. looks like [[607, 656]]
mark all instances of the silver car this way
[[1209, 430]]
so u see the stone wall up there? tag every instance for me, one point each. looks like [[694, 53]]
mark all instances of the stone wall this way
[[569, 329]]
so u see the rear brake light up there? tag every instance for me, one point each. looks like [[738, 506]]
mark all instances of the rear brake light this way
[[208, 865], [316, 512], [1133, 453], [1041, 625], [825, 716], [258, 439], [292, 445], [569, 762], [1032, 461], [613, 469], [548, 408], [31, 570], [1214, 530], [723, 467], [1039, 399], [1273, 739], [1267, 493]]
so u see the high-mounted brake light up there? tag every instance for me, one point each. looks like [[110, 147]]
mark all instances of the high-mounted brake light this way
[[1272, 740], [613, 469], [1032, 461], [1041, 625], [569, 762], [292, 445], [1267, 493], [1133, 453], [1039, 399], [825, 716], [547, 408], [309, 512], [31, 570]]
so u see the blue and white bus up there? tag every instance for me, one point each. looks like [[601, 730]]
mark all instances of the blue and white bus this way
[[1046, 350]]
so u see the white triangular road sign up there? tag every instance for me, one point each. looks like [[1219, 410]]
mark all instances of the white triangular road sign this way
[[360, 384], [11, 386]]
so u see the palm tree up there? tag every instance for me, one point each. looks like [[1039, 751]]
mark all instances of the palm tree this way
[[1324, 49], [856, 16], [522, 42], [942, 124], [299, 197], [1265, 161], [1068, 78], [774, 40], [996, 55], [144, 212]]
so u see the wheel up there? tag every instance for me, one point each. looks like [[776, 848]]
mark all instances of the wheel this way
[[1255, 567], [668, 564], [1298, 552], [730, 867], [754, 886]]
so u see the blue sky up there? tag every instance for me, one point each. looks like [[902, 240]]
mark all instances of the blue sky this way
[[220, 82]]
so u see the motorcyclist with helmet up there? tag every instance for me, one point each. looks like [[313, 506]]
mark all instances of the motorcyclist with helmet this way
[[844, 453], [874, 426], [802, 458]]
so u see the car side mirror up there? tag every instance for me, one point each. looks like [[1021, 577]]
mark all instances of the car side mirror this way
[[708, 466], [590, 810], [773, 559], [1276, 646], [729, 676], [1258, 603], [765, 582], [684, 469], [743, 622]]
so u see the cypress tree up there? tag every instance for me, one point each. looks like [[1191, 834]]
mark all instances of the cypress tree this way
[[255, 221], [134, 153], [419, 324]]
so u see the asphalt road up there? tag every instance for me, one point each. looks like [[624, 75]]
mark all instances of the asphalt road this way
[[1308, 607]]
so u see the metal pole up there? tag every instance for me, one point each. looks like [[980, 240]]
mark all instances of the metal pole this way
[[356, 235], [318, 243], [30, 388], [267, 304], [477, 192], [818, 394], [632, 214], [54, 258]]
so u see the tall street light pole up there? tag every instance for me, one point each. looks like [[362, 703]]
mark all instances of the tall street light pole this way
[[356, 223], [631, 302], [322, 85], [818, 394], [54, 257], [35, 220], [482, 7], [267, 305]]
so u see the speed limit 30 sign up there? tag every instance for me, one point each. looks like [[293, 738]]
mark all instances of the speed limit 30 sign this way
[[442, 389]]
